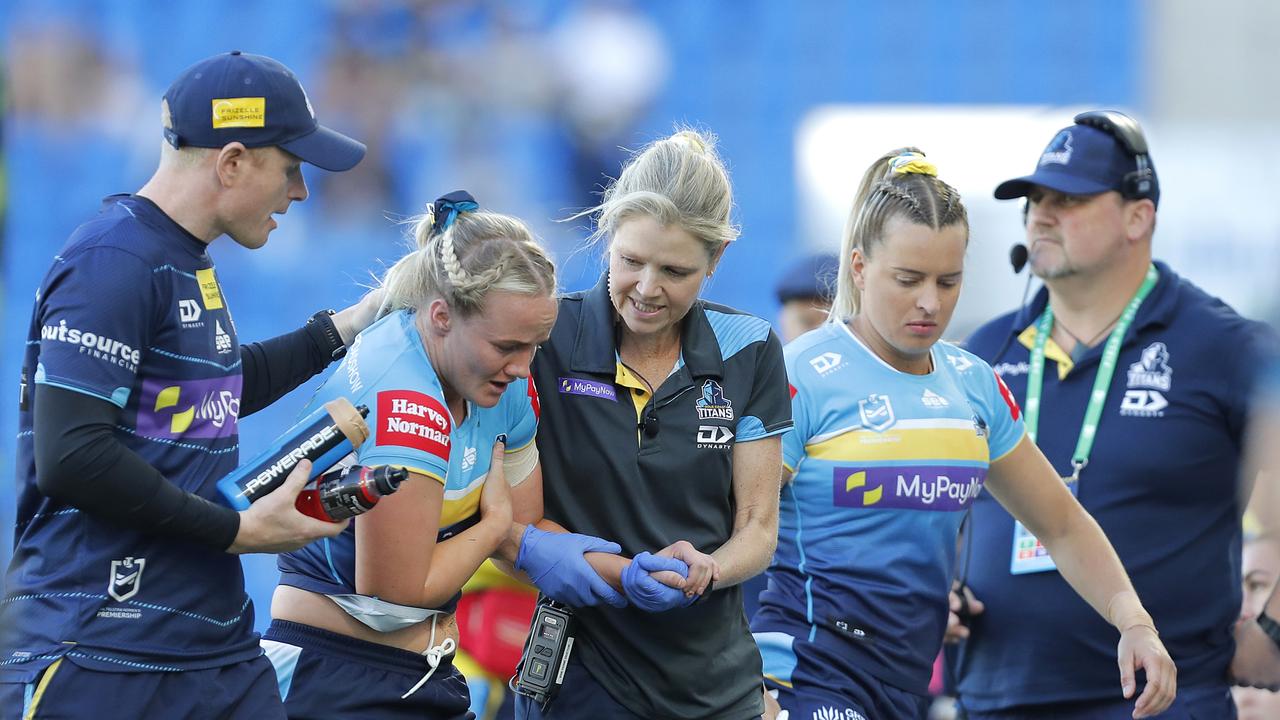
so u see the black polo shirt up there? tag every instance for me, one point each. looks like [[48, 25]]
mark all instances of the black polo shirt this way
[[605, 476]]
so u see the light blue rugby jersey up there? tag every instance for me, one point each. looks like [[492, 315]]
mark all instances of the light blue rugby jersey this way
[[885, 463], [388, 371]]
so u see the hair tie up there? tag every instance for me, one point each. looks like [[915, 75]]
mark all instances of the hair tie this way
[[692, 140], [912, 163], [446, 209]]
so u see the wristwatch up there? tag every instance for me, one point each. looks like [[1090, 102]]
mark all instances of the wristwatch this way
[[329, 337], [1270, 627]]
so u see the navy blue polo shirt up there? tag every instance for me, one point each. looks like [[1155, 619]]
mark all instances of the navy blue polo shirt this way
[[131, 312], [1162, 481], [645, 490]]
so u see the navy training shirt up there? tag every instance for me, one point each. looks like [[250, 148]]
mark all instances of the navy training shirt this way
[[1162, 481], [130, 312]]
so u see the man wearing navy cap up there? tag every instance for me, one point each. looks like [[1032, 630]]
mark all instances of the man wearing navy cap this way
[[124, 597], [1136, 385], [805, 293]]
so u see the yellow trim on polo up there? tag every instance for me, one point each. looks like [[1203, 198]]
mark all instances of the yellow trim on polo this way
[[1052, 351]]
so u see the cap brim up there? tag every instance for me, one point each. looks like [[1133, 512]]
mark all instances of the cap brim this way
[[1063, 183], [327, 149]]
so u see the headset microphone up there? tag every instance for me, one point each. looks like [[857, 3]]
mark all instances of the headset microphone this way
[[1018, 256]]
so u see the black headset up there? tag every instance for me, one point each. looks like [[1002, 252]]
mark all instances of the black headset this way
[[1141, 184]]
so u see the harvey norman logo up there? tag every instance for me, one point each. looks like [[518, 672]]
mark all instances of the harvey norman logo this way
[[414, 420], [938, 488], [589, 388], [94, 345]]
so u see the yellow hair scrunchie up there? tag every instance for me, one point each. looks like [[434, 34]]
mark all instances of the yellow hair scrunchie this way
[[912, 163]]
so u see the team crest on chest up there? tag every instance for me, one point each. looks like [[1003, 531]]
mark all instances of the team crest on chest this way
[[876, 412], [713, 405], [1149, 379], [1152, 369], [126, 578]]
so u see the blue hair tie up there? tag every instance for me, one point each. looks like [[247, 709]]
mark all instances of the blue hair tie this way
[[447, 208]]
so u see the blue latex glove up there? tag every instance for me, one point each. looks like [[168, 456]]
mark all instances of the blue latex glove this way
[[555, 564], [648, 594]]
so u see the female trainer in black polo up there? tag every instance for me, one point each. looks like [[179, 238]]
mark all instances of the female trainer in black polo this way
[[661, 416]]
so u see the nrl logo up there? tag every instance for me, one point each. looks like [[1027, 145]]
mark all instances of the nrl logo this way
[[876, 412], [126, 578]]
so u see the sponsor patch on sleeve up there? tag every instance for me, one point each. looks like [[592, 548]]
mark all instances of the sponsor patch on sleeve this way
[[413, 420], [209, 290], [1005, 393]]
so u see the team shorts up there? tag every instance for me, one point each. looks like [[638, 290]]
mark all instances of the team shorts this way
[[327, 675], [66, 691]]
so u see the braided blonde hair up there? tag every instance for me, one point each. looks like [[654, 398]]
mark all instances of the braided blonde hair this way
[[900, 183], [678, 180], [479, 253]]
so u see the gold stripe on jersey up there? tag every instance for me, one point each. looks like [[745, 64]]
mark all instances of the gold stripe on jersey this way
[[903, 445]]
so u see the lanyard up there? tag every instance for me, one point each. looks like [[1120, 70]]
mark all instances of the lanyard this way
[[1101, 382]]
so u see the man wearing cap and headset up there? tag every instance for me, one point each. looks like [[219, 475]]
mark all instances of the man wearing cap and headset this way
[[124, 596], [1136, 385]]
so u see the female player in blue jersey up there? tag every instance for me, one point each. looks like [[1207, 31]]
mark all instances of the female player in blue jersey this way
[[362, 625], [895, 434]]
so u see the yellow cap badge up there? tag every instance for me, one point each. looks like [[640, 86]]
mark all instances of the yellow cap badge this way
[[239, 112]]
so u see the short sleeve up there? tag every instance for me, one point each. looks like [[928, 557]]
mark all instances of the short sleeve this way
[[768, 409], [1001, 413], [1255, 370], [410, 429], [522, 414], [95, 314]]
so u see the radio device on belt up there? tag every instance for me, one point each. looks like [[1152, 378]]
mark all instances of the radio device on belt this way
[[547, 652]]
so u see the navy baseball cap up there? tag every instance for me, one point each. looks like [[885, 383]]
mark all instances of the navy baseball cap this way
[[1080, 160], [810, 277], [257, 101]]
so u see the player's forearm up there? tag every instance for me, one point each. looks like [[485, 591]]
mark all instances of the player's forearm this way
[[747, 552], [1089, 563], [455, 560]]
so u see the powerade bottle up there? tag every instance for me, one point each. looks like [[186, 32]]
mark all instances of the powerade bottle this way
[[348, 492], [324, 437]]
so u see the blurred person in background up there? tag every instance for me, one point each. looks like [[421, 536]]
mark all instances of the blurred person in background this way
[[610, 61], [896, 433], [1137, 386], [124, 583], [363, 624], [804, 294], [1260, 567], [804, 299], [1257, 659], [661, 421]]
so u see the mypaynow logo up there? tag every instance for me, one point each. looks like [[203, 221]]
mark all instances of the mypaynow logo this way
[[590, 388], [205, 408], [940, 488]]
